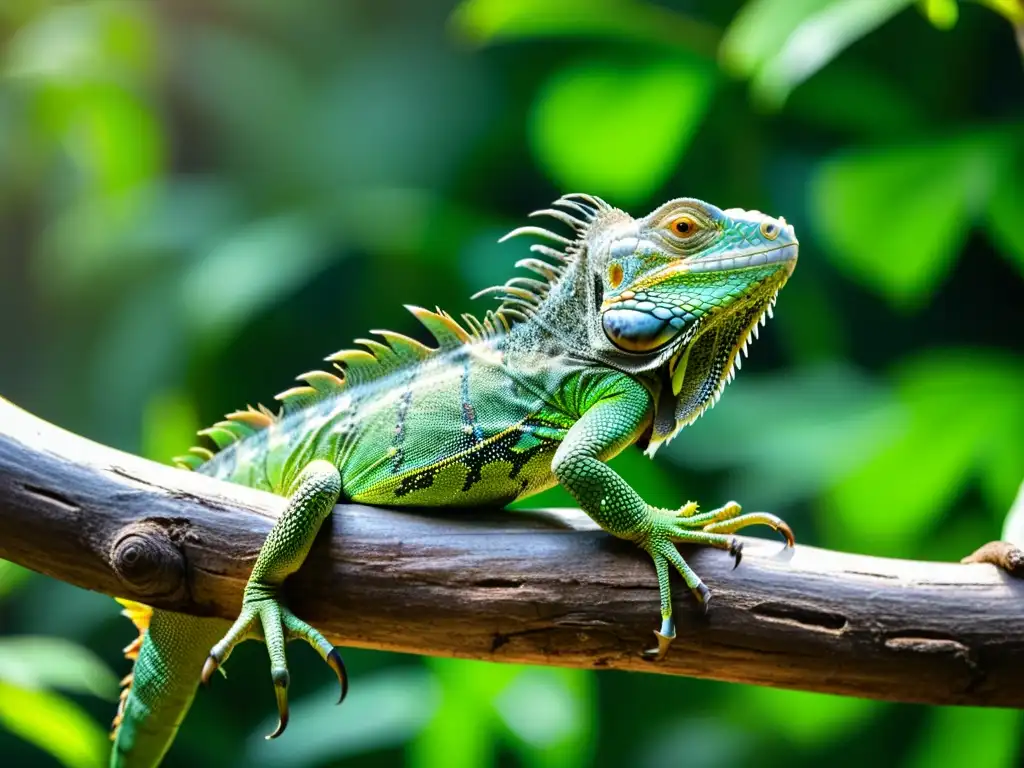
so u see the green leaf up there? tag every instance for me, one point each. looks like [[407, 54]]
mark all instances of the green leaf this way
[[249, 270], [55, 725], [113, 136], [759, 31], [825, 101], [895, 218], [50, 662], [1012, 10], [969, 736], [811, 720], [617, 130], [964, 408], [547, 714], [941, 13], [12, 576], [1005, 222], [486, 21], [461, 733], [97, 41], [781, 43], [169, 425]]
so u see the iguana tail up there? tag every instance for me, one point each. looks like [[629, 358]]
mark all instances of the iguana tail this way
[[168, 654]]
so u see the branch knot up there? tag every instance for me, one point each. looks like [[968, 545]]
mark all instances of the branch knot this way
[[148, 562]]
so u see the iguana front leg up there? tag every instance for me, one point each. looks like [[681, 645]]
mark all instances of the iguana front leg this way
[[608, 424], [314, 494]]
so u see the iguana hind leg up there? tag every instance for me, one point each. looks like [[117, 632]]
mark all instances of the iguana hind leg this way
[[314, 493]]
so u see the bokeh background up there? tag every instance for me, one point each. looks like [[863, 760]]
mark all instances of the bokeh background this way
[[200, 200]]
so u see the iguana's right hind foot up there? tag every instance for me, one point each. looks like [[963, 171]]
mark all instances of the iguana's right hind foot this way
[[267, 618], [312, 497]]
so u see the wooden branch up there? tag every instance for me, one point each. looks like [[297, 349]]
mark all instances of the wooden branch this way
[[540, 588]]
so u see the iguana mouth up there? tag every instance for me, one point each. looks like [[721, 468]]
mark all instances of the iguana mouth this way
[[778, 255]]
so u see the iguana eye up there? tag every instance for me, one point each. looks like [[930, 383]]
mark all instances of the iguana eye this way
[[684, 226], [769, 229]]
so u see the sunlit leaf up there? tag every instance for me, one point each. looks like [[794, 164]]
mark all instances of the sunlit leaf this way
[[484, 21], [807, 719], [963, 408], [50, 662], [383, 711], [781, 43], [969, 736], [1013, 10], [169, 425], [894, 218], [759, 31], [942, 13], [12, 576], [113, 136], [98, 40], [616, 129], [461, 733], [55, 725]]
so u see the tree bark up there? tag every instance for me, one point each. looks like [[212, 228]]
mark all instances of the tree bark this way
[[544, 587]]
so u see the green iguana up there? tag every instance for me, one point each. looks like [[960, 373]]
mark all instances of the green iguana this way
[[631, 332]]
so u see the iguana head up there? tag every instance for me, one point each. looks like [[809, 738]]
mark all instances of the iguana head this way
[[673, 297], [682, 291]]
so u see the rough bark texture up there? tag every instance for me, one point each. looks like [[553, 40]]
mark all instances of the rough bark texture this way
[[545, 587]]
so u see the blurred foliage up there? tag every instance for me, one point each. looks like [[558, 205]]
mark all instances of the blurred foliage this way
[[201, 200]]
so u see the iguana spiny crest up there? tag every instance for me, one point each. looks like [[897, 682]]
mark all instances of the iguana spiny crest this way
[[674, 297]]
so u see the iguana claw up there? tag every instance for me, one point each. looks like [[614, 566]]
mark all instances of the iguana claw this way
[[783, 527], [210, 666], [665, 637], [736, 550], [281, 680], [334, 661]]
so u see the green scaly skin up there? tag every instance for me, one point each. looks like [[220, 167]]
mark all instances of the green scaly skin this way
[[632, 331]]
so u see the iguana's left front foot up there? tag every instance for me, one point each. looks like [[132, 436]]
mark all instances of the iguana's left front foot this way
[[314, 494], [690, 527]]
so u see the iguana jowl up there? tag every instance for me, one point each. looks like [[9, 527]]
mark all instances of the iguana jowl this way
[[632, 330]]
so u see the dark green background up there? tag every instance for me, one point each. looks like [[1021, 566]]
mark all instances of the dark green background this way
[[200, 200]]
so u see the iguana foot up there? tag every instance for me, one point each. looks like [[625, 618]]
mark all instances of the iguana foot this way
[[1002, 554], [687, 526], [263, 616]]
